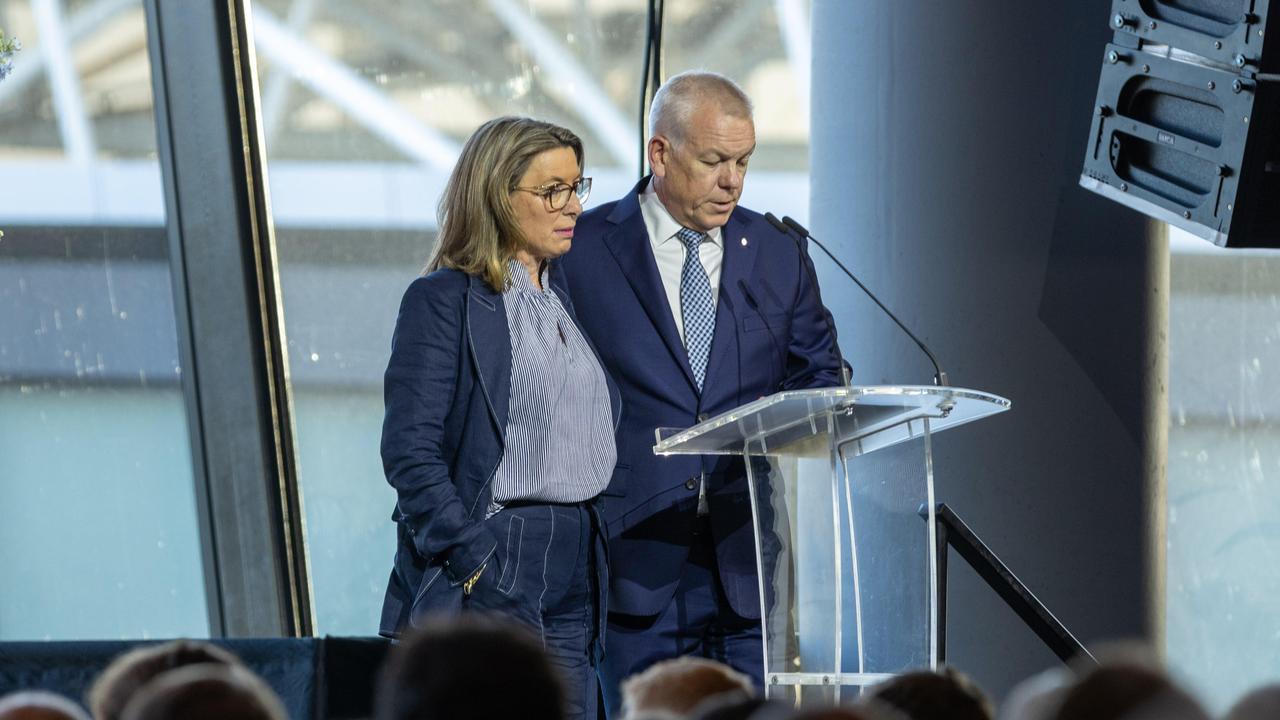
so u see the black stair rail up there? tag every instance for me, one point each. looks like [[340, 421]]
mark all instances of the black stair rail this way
[[952, 531]]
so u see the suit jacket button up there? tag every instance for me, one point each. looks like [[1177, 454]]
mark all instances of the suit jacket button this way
[[690, 484]]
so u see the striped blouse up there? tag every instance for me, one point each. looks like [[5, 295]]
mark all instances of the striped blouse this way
[[559, 433]]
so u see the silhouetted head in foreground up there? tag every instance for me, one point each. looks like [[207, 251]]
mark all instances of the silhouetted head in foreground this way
[[205, 692], [946, 694], [468, 667], [129, 672], [1127, 689], [39, 705], [674, 687]]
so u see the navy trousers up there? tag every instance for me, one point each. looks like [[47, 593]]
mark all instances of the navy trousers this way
[[548, 577], [699, 621]]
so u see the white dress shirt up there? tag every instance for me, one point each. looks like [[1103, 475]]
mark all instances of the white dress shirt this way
[[669, 251]]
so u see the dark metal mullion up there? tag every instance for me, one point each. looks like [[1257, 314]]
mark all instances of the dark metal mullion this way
[[186, 350], [223, 259], [271, 302]]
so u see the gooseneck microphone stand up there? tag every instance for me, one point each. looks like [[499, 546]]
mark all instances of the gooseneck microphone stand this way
[[790, 227]]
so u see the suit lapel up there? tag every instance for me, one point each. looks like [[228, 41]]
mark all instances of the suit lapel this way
[[490, 340], [739, 259], [629, 243]]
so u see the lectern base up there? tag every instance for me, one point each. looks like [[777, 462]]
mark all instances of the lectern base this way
[[826, 679]]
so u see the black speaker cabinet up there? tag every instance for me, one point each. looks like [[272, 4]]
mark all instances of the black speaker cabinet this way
[[1186, 126], [1230, 33]]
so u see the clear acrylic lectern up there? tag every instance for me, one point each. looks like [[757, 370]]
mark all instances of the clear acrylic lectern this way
[[842, 496]]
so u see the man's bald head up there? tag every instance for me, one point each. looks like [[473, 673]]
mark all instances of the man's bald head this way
[[681, 96]]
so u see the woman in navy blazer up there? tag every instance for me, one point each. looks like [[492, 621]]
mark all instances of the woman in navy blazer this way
[[499, 426]]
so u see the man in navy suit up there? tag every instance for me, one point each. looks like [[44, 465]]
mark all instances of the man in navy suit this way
[[697, 306]]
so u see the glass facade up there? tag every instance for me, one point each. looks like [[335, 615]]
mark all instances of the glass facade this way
[[97, 497], [1223, 538]]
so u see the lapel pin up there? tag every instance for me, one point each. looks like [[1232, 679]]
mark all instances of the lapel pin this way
[[744, 242]]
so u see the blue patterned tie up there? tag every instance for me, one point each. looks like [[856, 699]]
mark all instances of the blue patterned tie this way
[[696, 307]]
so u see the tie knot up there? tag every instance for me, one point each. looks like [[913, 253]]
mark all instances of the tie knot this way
[[691, 238]]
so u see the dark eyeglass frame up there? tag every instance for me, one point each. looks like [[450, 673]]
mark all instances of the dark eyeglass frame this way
[[549, 193]]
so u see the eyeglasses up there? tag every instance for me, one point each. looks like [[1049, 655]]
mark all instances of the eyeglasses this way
[[556, 196]]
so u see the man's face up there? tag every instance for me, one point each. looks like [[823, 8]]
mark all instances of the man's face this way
[[699, 178]]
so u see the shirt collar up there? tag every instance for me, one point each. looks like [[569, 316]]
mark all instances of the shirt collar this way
[[520, 280], [665, 227]]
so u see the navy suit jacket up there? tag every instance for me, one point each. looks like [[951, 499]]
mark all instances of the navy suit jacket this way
[[447, 390], [772, 337]]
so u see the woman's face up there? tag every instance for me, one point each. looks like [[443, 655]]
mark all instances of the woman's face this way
[[547, 233]]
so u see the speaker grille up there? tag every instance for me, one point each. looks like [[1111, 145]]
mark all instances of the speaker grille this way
[[1175, 176], [1180, 109], [1216, 18]]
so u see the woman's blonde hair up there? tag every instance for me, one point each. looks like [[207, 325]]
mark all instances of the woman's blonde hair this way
[[478, 229]]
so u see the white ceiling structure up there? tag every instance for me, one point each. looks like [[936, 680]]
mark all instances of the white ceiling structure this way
[[91, 62]]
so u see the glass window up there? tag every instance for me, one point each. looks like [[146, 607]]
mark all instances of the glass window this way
[[98, 530], [1224, 460], [365, 106]]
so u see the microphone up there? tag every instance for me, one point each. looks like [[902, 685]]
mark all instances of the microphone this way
[[939, 377], [845, 380]]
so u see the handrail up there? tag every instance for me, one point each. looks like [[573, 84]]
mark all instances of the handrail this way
[[954, 532]]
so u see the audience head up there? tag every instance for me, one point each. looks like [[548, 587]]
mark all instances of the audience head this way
[[126, 674], [1037, 697], [848, 712], [736, 705], [205, 692], [1260, 704], [468, 667], [678, 685], [1127, 685], [39, 705], [925, 695]]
